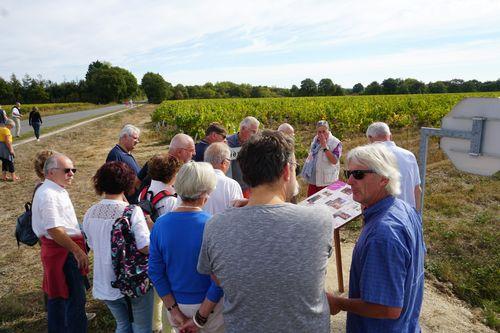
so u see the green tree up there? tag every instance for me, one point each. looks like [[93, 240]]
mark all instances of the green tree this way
[[373, 88], [155, 87], [107, 85], [358, 88], [294, 91], [390, 86], [308, 88], [130, 82], [326, 88], [6, 96], [414, 86], [436, 87], [180, 92], [17, 88]]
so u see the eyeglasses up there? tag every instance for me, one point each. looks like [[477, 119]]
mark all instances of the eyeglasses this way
[[357, 174], [67, 170]]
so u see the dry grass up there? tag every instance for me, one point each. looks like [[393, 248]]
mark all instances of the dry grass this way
[[461, 219]]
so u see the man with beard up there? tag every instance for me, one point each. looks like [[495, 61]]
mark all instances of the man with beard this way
[[270, 256]]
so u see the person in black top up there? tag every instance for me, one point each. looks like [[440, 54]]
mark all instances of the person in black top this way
[[35, 120], [214, 133]]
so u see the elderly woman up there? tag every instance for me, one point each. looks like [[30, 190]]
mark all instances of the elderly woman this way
[[175, 246], [112, 180], [162, 169], [322, 164], [7, 154]]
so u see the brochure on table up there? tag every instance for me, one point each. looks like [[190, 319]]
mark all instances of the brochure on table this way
[[337, 197]]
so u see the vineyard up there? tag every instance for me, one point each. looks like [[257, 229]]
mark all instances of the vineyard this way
[[347, 114]]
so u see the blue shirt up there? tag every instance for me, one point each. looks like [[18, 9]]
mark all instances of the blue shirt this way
[[173, 256], [234, 142], [118, 154], [200, 148], [388, 266]]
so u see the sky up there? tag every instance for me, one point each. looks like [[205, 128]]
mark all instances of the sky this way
[[261, 42]]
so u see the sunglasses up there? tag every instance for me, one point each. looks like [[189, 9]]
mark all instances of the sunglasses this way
[[67, 170], [357, 174]]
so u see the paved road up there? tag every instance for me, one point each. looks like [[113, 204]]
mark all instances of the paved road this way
[[61, 119]]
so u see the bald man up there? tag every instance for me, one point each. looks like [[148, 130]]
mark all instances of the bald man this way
[[182, 147], [287, 129]]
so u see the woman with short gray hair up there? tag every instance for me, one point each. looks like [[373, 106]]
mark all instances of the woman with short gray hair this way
[[192, 300]]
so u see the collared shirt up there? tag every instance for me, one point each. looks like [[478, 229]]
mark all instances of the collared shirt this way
[[388, 266], [53, 208], [200, 148], [226, 191], [119, 154], [408, 168], [167, 204]]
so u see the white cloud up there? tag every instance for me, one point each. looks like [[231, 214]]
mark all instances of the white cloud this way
[[60, 38]]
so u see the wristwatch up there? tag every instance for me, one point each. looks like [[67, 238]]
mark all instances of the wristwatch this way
[[325, 150]]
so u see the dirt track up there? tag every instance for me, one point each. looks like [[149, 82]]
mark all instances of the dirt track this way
[[20, 269]]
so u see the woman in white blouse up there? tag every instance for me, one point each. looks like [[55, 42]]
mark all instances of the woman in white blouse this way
[[112, 180]]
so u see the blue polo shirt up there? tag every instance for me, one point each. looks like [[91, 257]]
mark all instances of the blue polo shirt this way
[[200, 148], [388, 266], [118, 154], [234, 142]]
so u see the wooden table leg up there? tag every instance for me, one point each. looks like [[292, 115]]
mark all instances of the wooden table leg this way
[[338, 259]]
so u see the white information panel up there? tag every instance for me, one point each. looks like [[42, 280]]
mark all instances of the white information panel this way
[[337, 197]]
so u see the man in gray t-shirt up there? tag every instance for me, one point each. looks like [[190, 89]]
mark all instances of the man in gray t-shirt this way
[[270, 257]]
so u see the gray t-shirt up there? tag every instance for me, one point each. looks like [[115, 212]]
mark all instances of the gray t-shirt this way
[[271, 262]]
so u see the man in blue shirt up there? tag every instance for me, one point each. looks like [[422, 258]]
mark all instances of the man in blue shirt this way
[[214, 133], [386, 281], [128, 139]]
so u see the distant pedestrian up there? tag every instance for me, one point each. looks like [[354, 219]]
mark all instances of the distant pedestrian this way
[[16, 115], [7, 154], [3, 116], [35, 120]]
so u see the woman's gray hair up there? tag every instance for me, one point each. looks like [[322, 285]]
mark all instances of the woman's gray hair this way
[[129, 130], [377, 130], [249, 121], [10, 122], [194, 180], [379, 158], [323, 123], [216, 153]]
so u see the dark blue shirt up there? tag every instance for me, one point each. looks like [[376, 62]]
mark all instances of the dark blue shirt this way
[[118, 154], [388, 266], [234, 142], [200, 148], [173, 257]]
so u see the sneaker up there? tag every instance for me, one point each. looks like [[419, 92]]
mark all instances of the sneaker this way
[[37, 140], [90, 315]]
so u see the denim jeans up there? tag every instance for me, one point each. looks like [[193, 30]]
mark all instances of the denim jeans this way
[[142, 309], [36, 128], [68, 315]]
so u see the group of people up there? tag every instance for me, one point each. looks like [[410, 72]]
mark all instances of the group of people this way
[[7, 154], [230, 253]]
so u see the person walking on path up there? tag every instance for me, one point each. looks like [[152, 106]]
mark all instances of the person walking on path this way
[[7, 154], [16, 115], [35, 121]]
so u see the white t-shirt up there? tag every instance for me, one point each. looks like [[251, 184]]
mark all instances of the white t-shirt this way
[[97, 224], [53, 208], [167, 204], [16, 113], [226, 191], [408, 167]]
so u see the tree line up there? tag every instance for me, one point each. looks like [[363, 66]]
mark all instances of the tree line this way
[[106, 83]]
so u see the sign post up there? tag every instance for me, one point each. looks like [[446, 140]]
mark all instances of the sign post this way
[[470, 137]]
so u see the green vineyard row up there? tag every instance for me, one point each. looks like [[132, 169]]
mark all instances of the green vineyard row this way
[[346, 114]]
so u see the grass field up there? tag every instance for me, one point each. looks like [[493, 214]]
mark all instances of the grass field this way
[[461, 224]]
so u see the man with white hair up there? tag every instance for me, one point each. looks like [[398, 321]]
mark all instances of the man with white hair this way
[[386, 282], [270, 256], [64, 259], [248, 127], [408, 167], [227, 190], [287, 129], [182, 147], [122, 152]]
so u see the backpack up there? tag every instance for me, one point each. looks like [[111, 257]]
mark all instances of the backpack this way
[[130, 265], [148, 201], [24, 231]]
